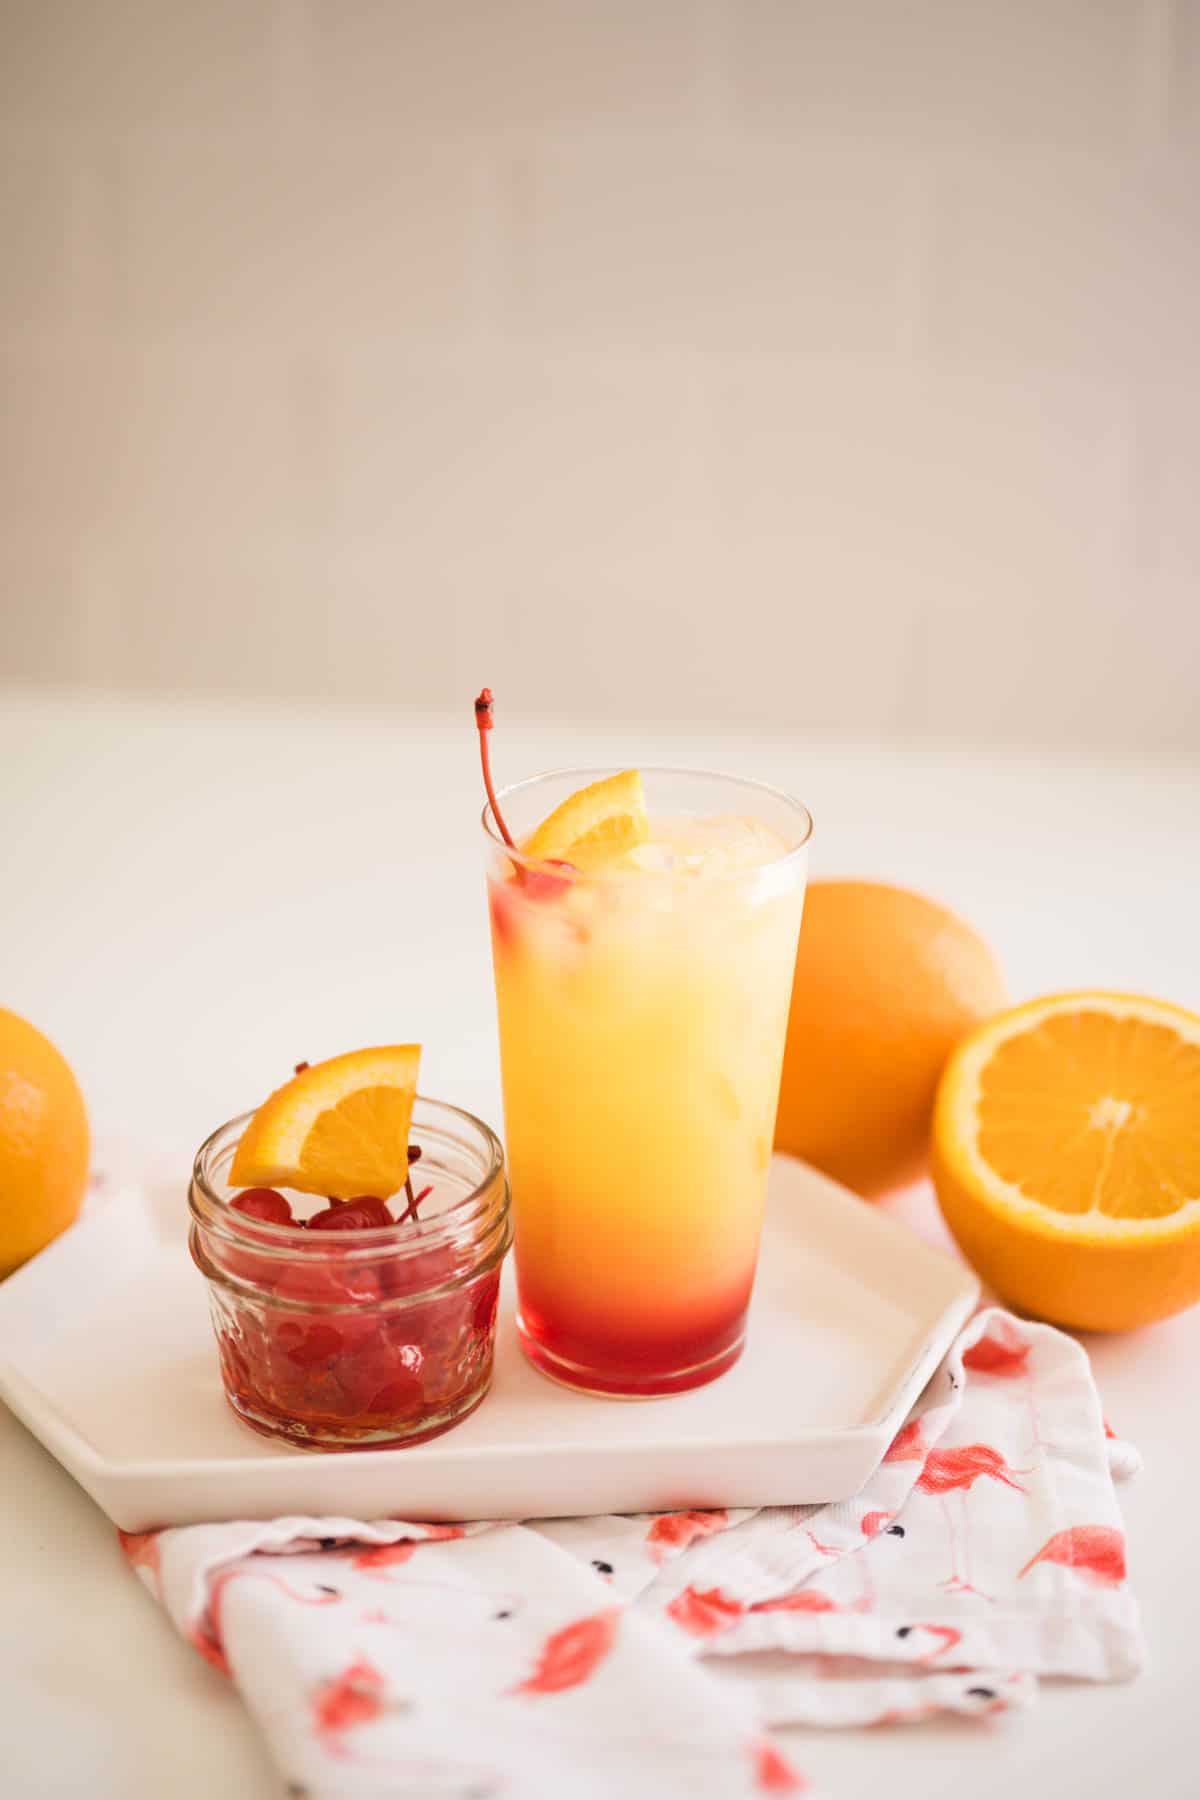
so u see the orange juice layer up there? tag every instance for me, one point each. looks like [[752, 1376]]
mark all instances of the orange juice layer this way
[[642, 1016]]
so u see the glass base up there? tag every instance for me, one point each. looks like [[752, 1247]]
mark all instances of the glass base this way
[[626, 1384], [328, 1436]]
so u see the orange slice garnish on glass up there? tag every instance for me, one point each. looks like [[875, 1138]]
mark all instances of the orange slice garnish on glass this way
[[338, 1128], [594, 826]]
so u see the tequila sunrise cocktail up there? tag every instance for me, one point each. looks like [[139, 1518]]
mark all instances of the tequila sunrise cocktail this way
[[643, 976]]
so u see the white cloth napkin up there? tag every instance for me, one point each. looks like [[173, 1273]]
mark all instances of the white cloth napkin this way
[[651, 1655]]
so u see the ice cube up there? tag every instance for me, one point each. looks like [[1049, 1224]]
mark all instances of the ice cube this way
[[715, 846]]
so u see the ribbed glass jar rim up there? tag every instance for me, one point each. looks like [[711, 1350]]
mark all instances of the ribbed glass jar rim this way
[[762, 791], [476, 1225]]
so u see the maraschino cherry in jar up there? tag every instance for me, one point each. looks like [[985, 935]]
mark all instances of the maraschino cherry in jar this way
[[365, 1320]]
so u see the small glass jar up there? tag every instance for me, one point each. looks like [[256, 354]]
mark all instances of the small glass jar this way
[[367, 1339]]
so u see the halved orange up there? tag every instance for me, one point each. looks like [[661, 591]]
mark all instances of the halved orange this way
[[338, 1128], [595, 825], [1066, 1157]]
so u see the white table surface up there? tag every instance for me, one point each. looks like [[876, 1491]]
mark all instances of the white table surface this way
[[196, 898]]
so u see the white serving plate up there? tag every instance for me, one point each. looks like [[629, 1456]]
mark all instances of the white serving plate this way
[[107, 1355]]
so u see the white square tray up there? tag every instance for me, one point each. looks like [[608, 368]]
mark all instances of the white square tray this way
[[107, 1355]]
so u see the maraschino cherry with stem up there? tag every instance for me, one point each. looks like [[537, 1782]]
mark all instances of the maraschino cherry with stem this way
[[537, 884], [485, 706]]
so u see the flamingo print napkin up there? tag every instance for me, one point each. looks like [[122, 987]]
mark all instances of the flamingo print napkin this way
[[653, 1655]]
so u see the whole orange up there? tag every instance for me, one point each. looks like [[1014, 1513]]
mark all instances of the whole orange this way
[[44, 1142], [887, 983]]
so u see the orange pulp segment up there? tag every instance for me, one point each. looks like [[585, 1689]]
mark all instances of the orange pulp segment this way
[[1091, 1110]]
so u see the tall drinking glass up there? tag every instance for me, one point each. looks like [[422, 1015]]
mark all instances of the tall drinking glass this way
[[642, 1011]]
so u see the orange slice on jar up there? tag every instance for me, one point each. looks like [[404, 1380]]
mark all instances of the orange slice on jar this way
[[338, 1128]]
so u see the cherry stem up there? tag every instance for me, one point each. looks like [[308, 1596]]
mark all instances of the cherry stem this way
[[411, 1210], [414, 1155], [484, 707]]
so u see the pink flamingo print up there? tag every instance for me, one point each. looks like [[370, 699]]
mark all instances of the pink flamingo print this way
[[204, 1639], [949, 1471], [871, 1524], [1002, 1351], [675, 1531], [773, 1773], [908, 1445], [1096, 1551], [804, 1600], [947, 1639], [386, 1556], [570, 1657], [206, 1636], [143, 1550], [903, 1715], [812, 1600], [821, 1549], [704, 1614], [354, 1697]]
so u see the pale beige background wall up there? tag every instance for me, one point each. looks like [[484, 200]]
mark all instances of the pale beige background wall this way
[[743, 359]]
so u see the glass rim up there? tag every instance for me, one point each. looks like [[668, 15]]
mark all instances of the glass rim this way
[[217, 1214], [586, 776]]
